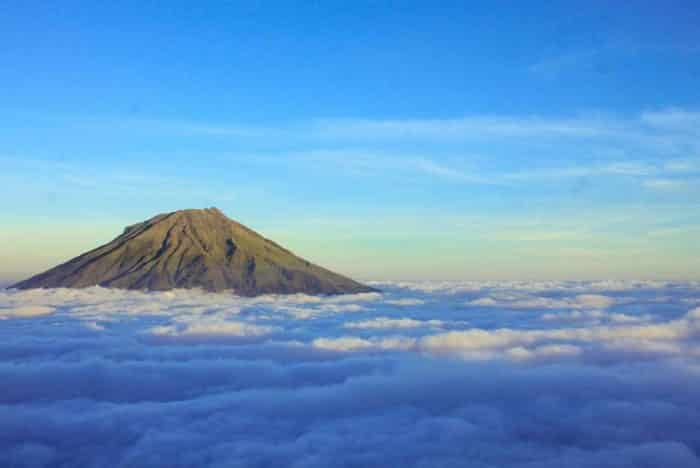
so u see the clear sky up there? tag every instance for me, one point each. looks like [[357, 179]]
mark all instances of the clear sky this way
[[403, 140]]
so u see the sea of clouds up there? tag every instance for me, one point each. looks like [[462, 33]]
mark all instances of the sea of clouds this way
[[425, 374]]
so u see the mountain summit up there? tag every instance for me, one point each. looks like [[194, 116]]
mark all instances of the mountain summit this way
[[194, 249]]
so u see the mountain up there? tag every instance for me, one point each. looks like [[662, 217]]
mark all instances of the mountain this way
[[194, 249]]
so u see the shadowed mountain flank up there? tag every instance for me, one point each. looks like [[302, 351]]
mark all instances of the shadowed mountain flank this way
[[194, 249]]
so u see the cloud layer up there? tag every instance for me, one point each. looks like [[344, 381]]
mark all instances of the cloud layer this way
[[525, 374]]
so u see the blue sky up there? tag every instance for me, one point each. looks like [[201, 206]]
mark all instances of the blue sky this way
[[404, 140]]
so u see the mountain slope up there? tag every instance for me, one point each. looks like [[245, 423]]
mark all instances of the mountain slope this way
[[194, 249]]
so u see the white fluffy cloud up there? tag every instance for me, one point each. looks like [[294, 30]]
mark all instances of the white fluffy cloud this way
[[528, 301], [25, 311], [386, 322], [405, 302], [207, 331], [595, 316], [423, 374], [682, 333]]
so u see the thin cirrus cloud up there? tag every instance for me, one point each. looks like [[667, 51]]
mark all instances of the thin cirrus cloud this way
[[648, 145], [673, 185], [676, 119], [605, 57], [465, 127], [451, 169], [644, 126], [654, 143], [420, 374]]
